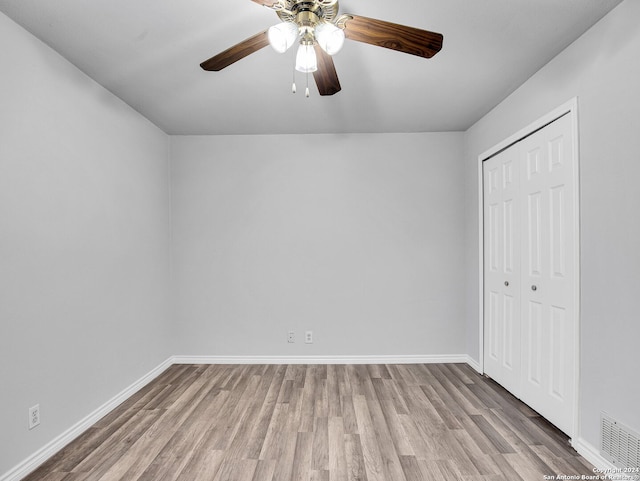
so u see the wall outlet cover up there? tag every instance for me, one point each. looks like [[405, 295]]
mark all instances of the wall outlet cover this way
[[34, 416]]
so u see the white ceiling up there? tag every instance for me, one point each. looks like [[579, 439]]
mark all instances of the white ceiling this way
[[148, 52]]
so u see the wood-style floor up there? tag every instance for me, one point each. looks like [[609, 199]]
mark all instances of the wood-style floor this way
[[439, 422]]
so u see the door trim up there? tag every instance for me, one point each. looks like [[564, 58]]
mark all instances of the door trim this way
[[569, 108]]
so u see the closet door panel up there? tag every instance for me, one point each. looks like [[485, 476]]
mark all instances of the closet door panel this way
[[548, 273], [502, 270]]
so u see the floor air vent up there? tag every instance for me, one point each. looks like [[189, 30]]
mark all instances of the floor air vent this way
[[620, 444]]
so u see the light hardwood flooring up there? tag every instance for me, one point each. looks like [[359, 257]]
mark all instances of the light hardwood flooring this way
[[439, 422]]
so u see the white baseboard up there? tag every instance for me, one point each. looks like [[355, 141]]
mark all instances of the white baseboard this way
[[592, 454], [475, 365], [39, 457], [417, 359]]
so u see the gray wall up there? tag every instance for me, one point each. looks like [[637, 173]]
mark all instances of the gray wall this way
[[83, 244], [356, 237], [359, 241], [603, 70]]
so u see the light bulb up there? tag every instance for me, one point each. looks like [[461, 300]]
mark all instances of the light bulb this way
[[329, 37], [306, 60], [282, 36]]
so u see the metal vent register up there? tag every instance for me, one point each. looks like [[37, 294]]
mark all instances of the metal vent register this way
[[620, 444]]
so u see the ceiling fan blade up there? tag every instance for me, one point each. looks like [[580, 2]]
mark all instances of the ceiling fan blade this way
[[237, 52], [326, 76], [396, 37]]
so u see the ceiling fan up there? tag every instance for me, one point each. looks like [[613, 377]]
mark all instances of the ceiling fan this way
[[320, 32]]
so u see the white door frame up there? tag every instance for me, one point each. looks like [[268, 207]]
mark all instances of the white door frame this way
[[568, 108]]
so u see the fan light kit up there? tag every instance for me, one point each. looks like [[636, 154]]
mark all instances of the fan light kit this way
[[320, 33]]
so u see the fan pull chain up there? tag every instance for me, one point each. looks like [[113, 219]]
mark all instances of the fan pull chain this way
[[306, 92], [293, 83]]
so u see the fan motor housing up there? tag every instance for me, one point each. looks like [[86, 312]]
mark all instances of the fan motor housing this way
[[308, 13]]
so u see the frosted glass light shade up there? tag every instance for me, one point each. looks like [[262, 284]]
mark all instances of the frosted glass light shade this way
[[282, 36], [329, 37], [306, 60]]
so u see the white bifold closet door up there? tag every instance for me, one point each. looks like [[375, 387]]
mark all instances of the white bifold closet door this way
[[529, 273]]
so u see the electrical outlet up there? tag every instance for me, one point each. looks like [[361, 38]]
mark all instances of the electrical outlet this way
[[34, 416], [291, 337], [308, 337]]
